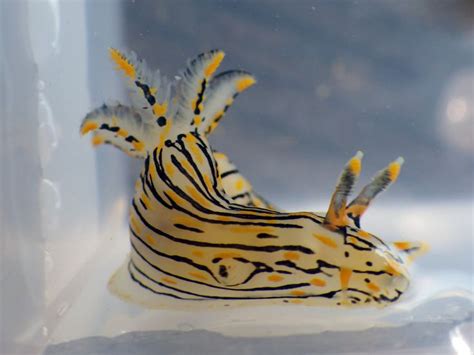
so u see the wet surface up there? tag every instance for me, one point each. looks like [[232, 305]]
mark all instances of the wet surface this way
[[419, 338]]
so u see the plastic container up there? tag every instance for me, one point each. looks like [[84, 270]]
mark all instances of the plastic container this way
[[390, 79]]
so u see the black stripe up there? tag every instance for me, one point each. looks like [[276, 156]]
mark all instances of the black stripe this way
[[177, 258], [229, 172], [143, 204], [330, 294], [266, 236], [150, 184], [152, 290], [265, 248], [108, 128], [183, 171], [369, 245], [131, 139], [200, 208], [191, 229], [146, 92], [283, 287], [242, 195], [200, 97], [318, 270]]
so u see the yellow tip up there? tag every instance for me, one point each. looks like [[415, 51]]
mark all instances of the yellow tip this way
[[245, 83], [394, 169], [122, 63], [88, 126], [216, 61], [355, 164], [402, 245]]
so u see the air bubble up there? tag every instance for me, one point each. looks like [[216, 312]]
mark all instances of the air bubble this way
[[62, 309]]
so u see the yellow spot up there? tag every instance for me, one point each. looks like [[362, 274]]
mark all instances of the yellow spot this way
[[152, 170], [363, 234], [153, 91], [197, 120], [169, 169], [257, 202], [402, 245], [194, 149], [198, 253], [275, 278], [168, 280], [352, 240], [217, 115], [138, 146], [226, 255], [89, 126], [195, 195], [229, 102], [291, 255], [193, 103], [208, 181], [394, 268], [134, 224], [211, 128], [296, 301], [150, 240], [97, 140], [244, 83], [298, 293], [198, 275], [122, 63], [318, 282], [173, 195], [394, 170], [220, 156], [345, 276], [216, 61], [228, 218], [373, 287], [114, 120], [160, 110], [239, 184], [122, 133], [185, 220], [326, 240]]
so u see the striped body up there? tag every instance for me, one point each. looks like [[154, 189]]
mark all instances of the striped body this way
[[189, 241], [200, 233]]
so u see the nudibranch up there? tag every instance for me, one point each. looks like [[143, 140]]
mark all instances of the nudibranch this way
[[199, 232]]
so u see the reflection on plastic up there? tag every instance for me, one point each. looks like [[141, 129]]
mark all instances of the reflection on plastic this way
[[460, 345], [457, 112]]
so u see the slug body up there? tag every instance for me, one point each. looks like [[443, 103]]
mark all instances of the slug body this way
[[198, 231]]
